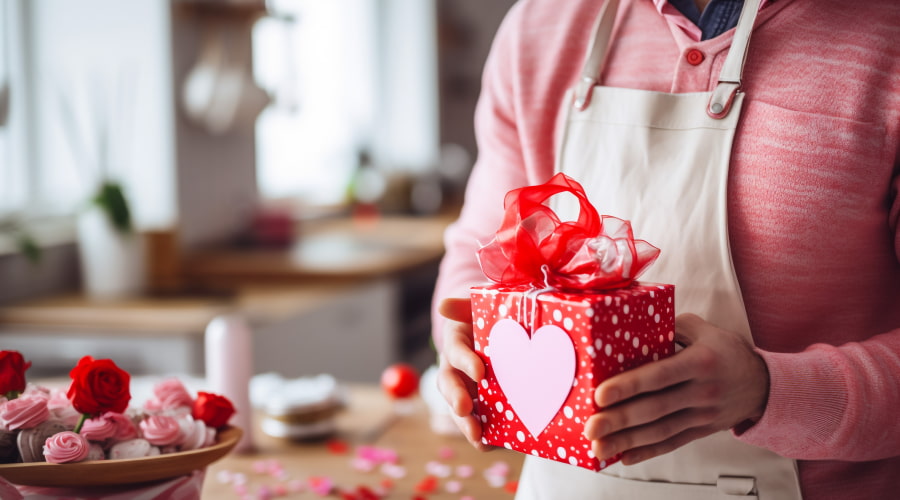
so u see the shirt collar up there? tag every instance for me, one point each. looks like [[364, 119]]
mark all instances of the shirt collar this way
[[677, 18]]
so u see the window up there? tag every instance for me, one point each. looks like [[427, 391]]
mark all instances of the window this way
[[34, 183], [347, 76], [13, 182], [89, 89]]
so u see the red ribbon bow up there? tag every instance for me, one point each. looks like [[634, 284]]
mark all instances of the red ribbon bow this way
[[533, 247]]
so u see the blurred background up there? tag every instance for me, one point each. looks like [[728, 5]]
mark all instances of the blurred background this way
[[288, 164]]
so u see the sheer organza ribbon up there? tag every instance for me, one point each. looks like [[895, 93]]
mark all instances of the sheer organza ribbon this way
[[534, 247]]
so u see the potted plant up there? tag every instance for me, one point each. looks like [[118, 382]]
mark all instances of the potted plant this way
[[24, 242], [111, 251]]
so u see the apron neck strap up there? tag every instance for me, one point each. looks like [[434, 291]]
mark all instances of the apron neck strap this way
[[729, 79]]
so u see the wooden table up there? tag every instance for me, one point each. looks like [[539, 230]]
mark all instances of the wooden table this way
[[410, 436]]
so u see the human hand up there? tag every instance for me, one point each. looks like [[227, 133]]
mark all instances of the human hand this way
[[460, 368], [713, 384]]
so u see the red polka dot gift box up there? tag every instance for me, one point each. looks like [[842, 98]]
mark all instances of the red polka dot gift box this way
[[538, 388], [564, 314]]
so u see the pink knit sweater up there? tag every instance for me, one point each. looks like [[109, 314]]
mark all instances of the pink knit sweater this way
[[813, 204]]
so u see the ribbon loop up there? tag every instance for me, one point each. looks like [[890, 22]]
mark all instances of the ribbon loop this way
[[534, 247]]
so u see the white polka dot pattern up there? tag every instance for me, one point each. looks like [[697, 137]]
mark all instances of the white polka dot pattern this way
[[612, 332]]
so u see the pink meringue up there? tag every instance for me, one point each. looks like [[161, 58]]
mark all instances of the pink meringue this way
[[66, 447], [125, 428], [153, 406], [58, 399], [171, 393], [95, 452], [25, 412], [99, 429], [161, 430], [133, 448], [193, 434], [61, 408], [36, 389]]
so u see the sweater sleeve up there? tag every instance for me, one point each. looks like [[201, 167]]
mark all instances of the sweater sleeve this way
[[498, 169], [835, 402]]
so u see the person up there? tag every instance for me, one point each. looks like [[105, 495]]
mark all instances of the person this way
[[767, 169]]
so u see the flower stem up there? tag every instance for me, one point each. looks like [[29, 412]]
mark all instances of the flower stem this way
[[80, 423]]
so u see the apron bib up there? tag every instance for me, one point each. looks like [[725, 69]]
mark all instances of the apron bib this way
[[661, 161]]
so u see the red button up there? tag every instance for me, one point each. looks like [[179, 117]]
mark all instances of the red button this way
[[694, 57]]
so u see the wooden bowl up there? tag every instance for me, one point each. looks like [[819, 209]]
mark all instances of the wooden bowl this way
[[120, 472]]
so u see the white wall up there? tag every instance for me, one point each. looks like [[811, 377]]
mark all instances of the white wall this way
[[215, 174]]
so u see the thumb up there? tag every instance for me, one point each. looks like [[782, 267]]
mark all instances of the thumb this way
[[456, 310], [688, 328]]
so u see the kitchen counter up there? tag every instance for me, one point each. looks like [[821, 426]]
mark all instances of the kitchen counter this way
[[345, 282], [336, 249], [409, 436]]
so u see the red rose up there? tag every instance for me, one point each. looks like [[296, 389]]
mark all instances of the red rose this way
[[12, 372], [99, 386], [212, 409]]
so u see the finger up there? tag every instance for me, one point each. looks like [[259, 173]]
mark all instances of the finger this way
[[650, 377], [458, 350], [651, 434], [688, 328], [454, 389], [650, 408], [641, 454], [471, 429], [456, 309]]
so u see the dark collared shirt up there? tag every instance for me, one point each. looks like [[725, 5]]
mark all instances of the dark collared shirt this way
[[718, 17]]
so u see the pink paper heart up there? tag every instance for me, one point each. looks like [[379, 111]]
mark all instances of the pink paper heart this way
[[534, 373]]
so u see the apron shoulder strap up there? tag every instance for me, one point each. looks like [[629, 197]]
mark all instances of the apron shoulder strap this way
[[593, 65], [729, 82], [732, 71]]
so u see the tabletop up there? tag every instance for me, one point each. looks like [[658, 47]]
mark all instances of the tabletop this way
[[357, 459]]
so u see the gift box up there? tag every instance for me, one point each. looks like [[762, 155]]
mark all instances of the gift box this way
[[564, 314], [538, 389]]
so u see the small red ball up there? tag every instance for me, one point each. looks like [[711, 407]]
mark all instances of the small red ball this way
[[400, 380]]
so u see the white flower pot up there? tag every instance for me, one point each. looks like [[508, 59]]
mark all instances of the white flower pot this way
[[112, 263]]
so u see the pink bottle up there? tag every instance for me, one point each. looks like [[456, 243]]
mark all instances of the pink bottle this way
[[229, 367]]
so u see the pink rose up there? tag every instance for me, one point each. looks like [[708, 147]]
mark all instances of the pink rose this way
[[25, 412], [171, 393], [66, 447], [99, 429], [161, 430]]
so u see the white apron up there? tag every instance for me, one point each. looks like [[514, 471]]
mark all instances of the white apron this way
[[661, 161]]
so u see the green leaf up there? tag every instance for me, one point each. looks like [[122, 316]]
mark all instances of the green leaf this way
[[29, 248], [111, 199]]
